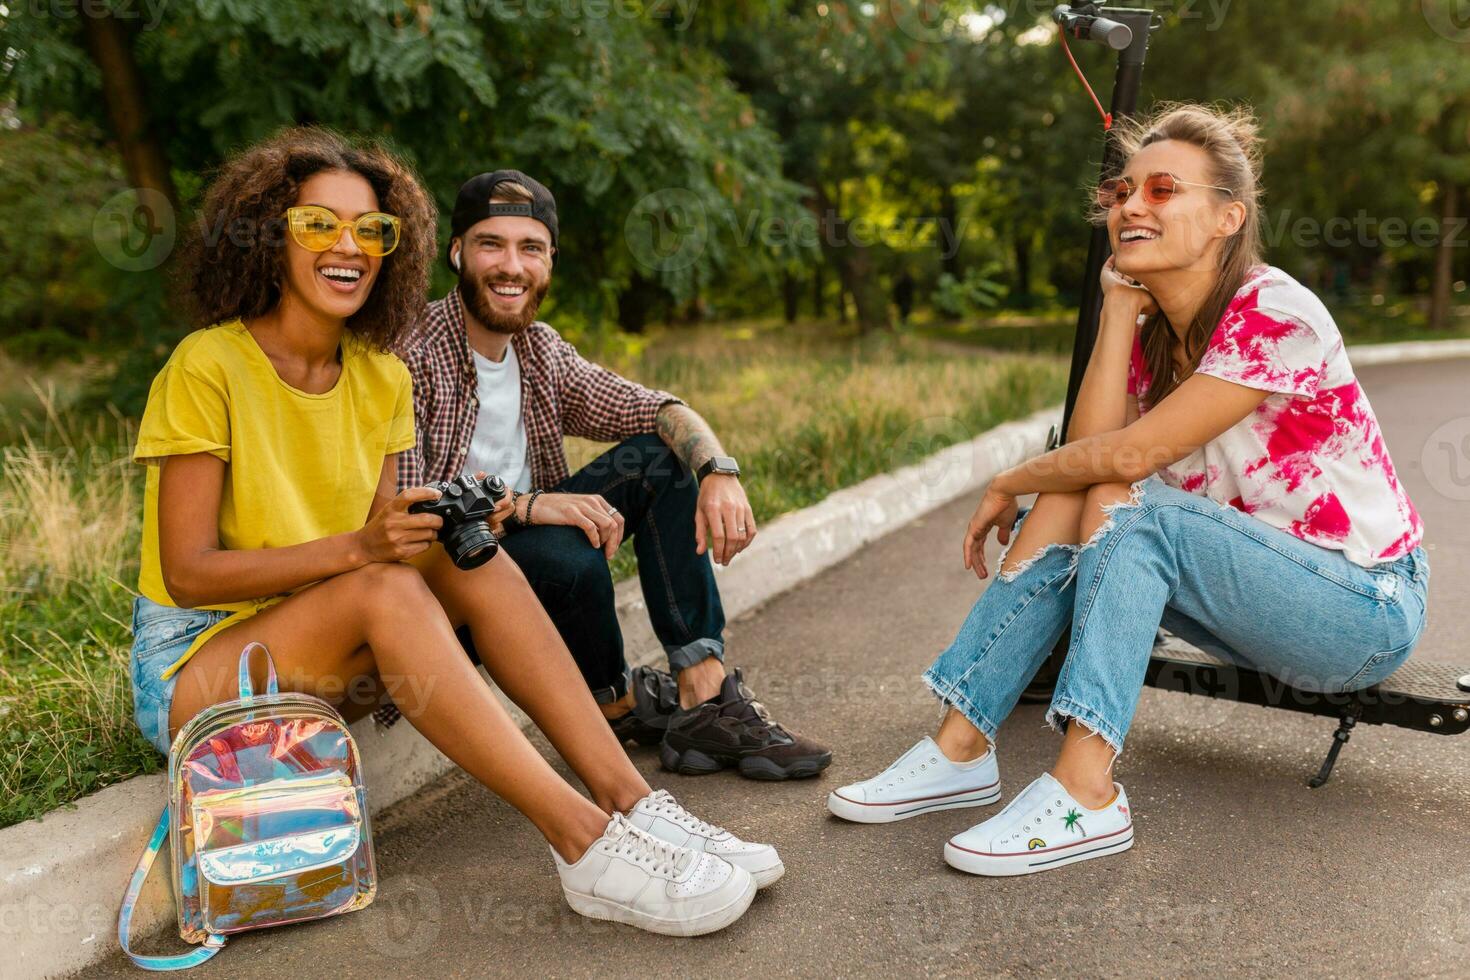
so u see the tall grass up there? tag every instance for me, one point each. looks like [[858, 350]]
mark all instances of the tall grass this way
[[804, 415], [69, 513]]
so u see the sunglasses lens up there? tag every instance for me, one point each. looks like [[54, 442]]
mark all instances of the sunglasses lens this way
[[1159, 188], [1112, 193], [313, 228], [376, 234]]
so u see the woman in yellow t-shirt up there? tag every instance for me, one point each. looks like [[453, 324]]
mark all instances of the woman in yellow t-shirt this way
[[269, 515]]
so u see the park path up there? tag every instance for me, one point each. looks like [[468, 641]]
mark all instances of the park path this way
[[1238, 869]]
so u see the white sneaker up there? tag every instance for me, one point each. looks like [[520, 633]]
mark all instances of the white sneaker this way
[[631, 876], [1041, 829], [662, 816], [923, 780]]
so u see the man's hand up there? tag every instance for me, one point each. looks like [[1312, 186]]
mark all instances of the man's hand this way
[[504, 508], [598, 519], [724, 524], [997, 510]]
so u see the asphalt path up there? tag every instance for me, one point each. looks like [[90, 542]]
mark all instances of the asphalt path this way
[[1239, 869]]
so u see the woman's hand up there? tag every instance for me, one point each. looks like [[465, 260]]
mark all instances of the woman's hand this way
[[598, 519], [997, 510], [393, 534], [1126, 294]]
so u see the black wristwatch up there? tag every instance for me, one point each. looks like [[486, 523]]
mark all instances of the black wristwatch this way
[[724, 465]]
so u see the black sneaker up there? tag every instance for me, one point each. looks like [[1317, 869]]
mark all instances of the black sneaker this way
[[734, 729], [655, 699]]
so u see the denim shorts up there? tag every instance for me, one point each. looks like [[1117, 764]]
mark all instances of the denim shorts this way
[[161, 635]]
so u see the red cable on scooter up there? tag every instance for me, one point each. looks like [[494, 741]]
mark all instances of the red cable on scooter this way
[[1106, 116]]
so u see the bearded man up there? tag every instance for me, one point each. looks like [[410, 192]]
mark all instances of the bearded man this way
[[495, 391]]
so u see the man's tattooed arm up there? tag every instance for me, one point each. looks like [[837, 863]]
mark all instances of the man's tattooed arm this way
[[688, 435]]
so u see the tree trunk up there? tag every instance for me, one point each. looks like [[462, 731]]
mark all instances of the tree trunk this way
[[949, 238], [111, 47], [636, 303], [1444, 259], [855, 269], [1022, 249], [790, 293], [819, 286]]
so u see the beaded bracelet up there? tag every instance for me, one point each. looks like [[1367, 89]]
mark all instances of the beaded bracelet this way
[[529, 504]]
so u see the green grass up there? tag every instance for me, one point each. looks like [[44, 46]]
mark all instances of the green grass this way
[[805, 413]]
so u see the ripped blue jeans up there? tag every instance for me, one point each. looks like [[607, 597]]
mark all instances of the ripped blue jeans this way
[[1215, 576]]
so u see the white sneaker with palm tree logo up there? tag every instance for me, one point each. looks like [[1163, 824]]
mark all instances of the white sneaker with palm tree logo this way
[[630, 876], [662, 816], [1041, 829]]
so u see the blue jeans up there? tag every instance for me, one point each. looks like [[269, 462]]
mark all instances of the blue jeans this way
[[1208, 573], [657, 496]]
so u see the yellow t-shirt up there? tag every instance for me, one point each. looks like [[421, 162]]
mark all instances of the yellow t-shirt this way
[[300, 466]]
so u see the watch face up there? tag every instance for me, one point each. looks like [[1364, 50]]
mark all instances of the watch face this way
[[725, 464]]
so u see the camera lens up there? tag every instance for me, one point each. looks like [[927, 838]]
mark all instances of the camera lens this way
[[471, 545]]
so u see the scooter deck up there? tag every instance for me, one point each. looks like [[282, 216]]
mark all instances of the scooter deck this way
[[1423, 695]]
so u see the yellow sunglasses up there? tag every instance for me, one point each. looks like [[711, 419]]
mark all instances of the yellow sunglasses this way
[[317, 229]]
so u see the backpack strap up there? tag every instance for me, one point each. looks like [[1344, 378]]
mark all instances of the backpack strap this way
[[272, 686], [182, 961]]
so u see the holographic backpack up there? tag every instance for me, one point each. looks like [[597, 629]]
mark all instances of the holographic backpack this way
[[266, 817]]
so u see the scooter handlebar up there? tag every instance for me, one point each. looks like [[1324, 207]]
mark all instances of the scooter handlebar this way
[[1090, 27]]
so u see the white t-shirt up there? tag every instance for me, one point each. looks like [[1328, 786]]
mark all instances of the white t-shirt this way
[[499, 444], [1310, 459]]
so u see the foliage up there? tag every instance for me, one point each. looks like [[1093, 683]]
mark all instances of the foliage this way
[[968, 296]]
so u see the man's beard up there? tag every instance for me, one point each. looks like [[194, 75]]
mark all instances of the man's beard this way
[[477, 300]]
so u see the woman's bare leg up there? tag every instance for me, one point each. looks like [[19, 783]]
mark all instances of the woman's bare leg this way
[[382, 619], [1054, 519], [526, 657]]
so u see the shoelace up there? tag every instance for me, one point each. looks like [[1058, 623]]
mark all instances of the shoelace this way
[[913, 771], [659, 856], [663, 803]]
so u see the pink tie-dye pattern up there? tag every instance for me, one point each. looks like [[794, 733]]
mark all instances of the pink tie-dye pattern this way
[[1311, 459]]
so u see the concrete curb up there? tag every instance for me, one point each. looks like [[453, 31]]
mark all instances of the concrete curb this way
[[62, 877]]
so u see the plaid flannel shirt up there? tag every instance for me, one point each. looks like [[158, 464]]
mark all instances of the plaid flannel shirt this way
[[562, 394]]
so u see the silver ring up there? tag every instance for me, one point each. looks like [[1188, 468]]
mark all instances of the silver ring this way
[[740, 529], [611, 511]]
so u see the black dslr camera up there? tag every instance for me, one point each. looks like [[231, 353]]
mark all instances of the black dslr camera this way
[[464, 504]]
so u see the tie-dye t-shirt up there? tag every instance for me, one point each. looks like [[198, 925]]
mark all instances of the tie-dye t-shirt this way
[[1310, 459]]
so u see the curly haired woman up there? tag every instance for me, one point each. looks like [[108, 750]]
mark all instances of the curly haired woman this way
[[271, 438], [1224, 475]]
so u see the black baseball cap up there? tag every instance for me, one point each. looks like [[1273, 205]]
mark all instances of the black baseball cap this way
[[473, 204]]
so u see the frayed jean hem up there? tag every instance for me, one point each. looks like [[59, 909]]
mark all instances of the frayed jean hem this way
[[1063, 709], [954, 699]]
